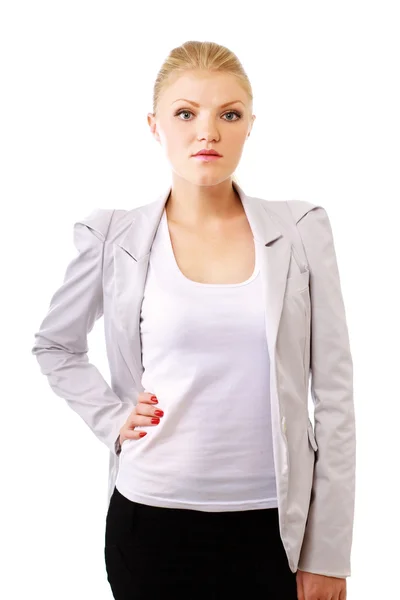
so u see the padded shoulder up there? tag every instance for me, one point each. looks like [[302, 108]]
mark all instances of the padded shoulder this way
[[98, 221], [299, 208]]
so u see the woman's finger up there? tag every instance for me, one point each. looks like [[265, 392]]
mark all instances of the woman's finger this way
[[131, 434], [144, 414], [143, 409], [147, 398], [136, 420]]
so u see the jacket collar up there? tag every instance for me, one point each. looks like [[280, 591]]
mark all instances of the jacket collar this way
[[147, 218]]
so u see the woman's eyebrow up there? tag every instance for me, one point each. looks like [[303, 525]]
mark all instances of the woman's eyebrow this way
[[198, 105]]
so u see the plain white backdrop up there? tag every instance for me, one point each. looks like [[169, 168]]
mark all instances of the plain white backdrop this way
[[76, 85]]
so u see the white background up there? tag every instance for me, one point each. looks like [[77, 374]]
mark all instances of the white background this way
[[76, 86]]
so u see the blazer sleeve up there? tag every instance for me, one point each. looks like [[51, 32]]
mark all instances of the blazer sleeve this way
[[329, 530], [61, 346]]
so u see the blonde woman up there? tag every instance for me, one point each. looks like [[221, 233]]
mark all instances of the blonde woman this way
[[217, 307]]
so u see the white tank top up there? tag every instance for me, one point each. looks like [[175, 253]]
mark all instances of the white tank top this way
[[205, 357]]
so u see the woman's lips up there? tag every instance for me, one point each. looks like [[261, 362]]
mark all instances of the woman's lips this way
[[207, 157]]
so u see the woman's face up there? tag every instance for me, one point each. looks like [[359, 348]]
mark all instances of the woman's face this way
[[184, 128]]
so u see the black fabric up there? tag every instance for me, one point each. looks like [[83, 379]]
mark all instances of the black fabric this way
[[154, 553]]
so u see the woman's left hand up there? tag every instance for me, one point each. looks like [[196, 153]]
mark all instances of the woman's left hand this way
[[311, 586]]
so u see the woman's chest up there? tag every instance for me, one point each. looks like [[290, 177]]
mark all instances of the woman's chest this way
[[221, 257]]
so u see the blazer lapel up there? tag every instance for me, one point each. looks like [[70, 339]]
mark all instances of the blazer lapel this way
[[131, 259], [274, 251]]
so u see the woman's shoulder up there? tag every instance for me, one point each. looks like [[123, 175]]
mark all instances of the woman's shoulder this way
[[106, 223], [298, 208]]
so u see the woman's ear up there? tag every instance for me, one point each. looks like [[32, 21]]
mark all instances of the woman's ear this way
[[151, 120]]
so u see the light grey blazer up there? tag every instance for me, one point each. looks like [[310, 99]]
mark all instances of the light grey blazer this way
[[306, 333]]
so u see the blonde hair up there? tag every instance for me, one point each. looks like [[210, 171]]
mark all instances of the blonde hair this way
[[202, 56]]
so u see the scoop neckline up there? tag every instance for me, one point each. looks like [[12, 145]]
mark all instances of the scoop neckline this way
[[164, 223]]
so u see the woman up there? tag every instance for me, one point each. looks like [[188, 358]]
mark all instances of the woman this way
[[216, 307]]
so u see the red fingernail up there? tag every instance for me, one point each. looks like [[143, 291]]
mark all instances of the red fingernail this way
[[142, 433], [155, 421], [154, 399]]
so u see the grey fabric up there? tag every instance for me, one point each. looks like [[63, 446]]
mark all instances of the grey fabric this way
[[307, 339]]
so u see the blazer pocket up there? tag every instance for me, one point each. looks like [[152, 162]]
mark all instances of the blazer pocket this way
[[311, 436], [297, 283]]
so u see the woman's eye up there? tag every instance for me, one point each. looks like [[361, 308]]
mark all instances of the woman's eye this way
[[182, 112], [231, 112]]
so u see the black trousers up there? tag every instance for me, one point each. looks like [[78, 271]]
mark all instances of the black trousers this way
[[154, 553]]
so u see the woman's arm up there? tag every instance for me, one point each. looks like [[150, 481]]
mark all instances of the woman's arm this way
[[328, 536], [61, 341]]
